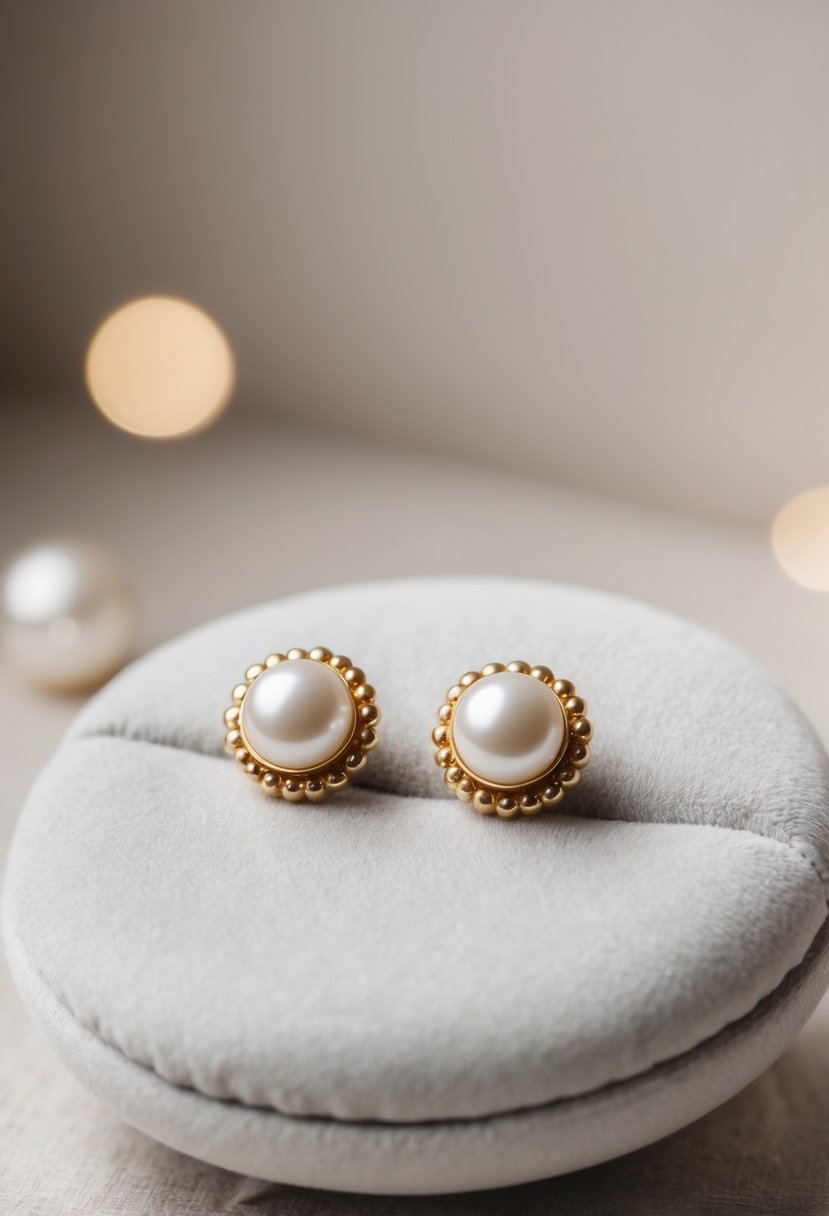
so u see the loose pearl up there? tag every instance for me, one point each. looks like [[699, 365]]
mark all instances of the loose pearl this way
[[508, 728], [298, 714], [69, 614]]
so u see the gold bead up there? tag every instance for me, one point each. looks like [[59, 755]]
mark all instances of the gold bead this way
[[238, 694], [233, 739], [579, 754], [273, 659], [519, 665], [439, 735], [253, 671], [241, 756], [293, 789], [252, 770], [484, 802], [582, 728], [369, 714], [530, 804], [507, 807], [552, 794], [339, 662], [469, 678], [336, 779], [270, 784], [319, 654], [315, 791], [232, 717], [574, 705], [354, 761], [454, 692], [542, 673], [568, 777], [444, 757], [492, 668], [564, 688], [354, 676], [452, 775], [445, 713], [364, 692], [465, 789], [368, 739]]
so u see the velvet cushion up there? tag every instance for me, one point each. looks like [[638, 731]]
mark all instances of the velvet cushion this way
[[389, 992]]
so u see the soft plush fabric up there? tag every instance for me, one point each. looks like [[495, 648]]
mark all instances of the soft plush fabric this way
[[390, 992]]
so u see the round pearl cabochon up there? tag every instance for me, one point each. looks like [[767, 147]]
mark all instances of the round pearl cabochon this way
[[298, 714], [508, 728]]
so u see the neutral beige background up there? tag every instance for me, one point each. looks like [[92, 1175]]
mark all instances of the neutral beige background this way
[[583, 238], [253, 510]]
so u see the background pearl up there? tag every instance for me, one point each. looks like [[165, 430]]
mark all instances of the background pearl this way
[[298, 714], [69, 614], [508, 728]]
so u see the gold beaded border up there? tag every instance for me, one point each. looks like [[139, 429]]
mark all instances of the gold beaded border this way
[[314, 784], [545, 791]]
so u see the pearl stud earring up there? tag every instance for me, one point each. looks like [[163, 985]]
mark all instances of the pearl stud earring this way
[[511, 739], [301, 723]]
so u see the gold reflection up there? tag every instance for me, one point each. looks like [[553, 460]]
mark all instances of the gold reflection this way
[[160, 367], [800, 538]]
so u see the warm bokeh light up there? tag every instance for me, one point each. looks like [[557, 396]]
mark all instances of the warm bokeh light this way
[[800, 538], [160, 367]]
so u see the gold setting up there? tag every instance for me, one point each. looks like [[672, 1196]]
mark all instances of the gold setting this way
[[542, 792], [312, 784]]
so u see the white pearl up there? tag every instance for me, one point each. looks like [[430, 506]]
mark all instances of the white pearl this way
[[69, 614], [508, 728], [298, 714]]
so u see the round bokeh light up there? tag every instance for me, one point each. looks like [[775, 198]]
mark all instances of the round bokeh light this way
[[800, 538], [160, 367]]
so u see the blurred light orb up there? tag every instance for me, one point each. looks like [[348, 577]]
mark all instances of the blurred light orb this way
[[800, 538], [160, 367], [69, 614]]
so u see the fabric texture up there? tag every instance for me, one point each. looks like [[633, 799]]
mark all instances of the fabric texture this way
[[380, 988]]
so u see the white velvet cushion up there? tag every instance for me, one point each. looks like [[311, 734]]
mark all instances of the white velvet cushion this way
[[390, 992]]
